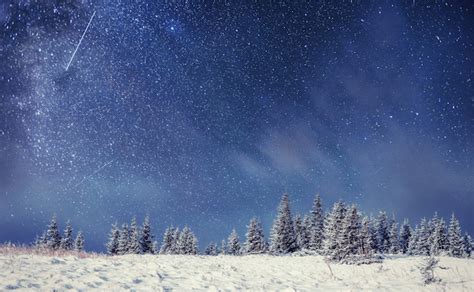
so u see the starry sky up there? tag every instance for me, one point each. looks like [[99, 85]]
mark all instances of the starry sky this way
[[205, 112]]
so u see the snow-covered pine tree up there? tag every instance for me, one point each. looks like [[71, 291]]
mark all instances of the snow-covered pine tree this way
[[113, 243], [52, 235], [467, 245], [255, 241], [223, 249], [366, 238], [124, 240], [301, 234], [349, 242], [405, 234], [316, 229], [283, 239], [146, 237], [211, 249], [382, 232], [413, 243], [187, 242], [175, 245], [393, 240], [79, 242], [233, 243], [193, 246], [67, 242], [168, 241], [333, 228], [438, 239], [455, 238], [134, 241], [423, 244]]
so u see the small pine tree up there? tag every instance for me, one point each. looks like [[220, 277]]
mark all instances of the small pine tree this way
[[467, 245], [349, 242], [283, 239], [168, 241], [67, 242], [187, 242], [233, 243], [134, 240], [146, 238], [79, 242], [427, 270], [223, 249], [113, 243], [211, 249], [393, 240], [382, 233], [53, 236], [333, 229], [255, 242], [455, 238], [405, 235], [124, 240], [316, 228]]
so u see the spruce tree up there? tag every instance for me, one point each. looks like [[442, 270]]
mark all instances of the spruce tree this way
[[124, 240], [113, 243], [146, 238], [438, 239], [67, 242], [467, 245], [333, 229], [455, 238], [283, 239], [168, 241], [175, 249], [223, 249], [255, 241], [413, 243], [211, 249], [79, 242], [423, 244], [382, 233], [134, 240], [53, 236], [233, 243], [405, 235], [393, 240], [349, 236], [187, 242], [366, 239], [316, 229], [300, 233]]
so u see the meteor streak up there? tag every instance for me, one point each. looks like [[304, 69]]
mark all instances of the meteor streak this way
[[80, 41]]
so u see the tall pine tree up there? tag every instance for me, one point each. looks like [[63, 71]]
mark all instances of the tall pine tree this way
[[333, 228], [134, 240], [255, 242], [455, 238], [113, 243], [67, 242], [52, 235], [283, 239], [316, 229], [405, 235], [146, 238], [233, 243]]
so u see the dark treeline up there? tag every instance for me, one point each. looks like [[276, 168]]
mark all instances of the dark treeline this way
[[341, 233]]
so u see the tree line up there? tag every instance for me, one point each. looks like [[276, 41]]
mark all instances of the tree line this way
[[342, 233], [52, 239]]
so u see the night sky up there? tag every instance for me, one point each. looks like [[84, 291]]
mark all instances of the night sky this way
[[204, 113]]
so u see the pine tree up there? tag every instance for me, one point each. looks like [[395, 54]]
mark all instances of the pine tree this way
[[134, 240], [283, 239], [67, 242], [53, 236], [467, 245], [146, 238], [79, 242], [223, 249], [366, 238], [405, 235], [455, 238], [193, 247], [113, 243], [187, 242], [438, 239], [211, 249], [333, 229], [255, 242], [316, 229], [233, 243], [349, 236], [124, 240], [393, 240], [168, 241], [413, 243], [423, 244], [175, 245], [300, 232], [382, 233]]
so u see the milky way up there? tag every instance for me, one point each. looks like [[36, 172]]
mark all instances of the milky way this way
[[204, 113]]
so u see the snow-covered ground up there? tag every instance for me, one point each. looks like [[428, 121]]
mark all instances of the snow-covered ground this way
[[163, 272]]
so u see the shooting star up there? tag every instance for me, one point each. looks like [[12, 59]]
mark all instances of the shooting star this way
[[91, 175], [80, 41]]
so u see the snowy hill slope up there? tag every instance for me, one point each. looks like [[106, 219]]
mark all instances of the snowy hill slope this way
[[161, 272]]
